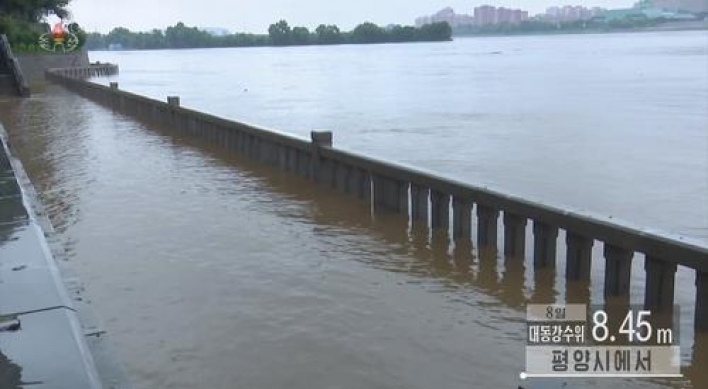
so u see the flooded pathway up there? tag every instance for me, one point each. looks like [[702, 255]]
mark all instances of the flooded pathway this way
[[212, 271]]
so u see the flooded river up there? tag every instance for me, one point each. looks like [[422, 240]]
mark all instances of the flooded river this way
[[213, 271]]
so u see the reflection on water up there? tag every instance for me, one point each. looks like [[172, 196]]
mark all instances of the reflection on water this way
[[213, 271], [512, 283], [696, 372]]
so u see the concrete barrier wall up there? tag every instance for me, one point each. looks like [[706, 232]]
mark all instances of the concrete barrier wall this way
[[35, 64], [439, 203], [88, 71]]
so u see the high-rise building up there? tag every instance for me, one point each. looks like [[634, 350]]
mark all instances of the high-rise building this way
[[483, 15], [487, 14], [519, 16], [569, 13], [445, 15]]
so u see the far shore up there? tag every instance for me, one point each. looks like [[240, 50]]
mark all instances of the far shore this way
[[701, 25], [666, 27]]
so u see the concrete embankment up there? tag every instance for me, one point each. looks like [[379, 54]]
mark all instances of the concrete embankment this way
[[48, 335], [430, 201], [35, 64]]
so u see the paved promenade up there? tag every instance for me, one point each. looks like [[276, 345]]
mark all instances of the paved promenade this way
[[48, 337]]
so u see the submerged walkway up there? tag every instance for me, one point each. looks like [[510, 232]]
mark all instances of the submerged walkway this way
[[213, 270], [48, 337]]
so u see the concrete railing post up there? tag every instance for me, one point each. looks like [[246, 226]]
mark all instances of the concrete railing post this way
[[173, 101], [578, 257], [701, 320], [514, 236], [360, 184], [282, 151], [364, 185], [487, 226], [381, 188], [402, 188], [390, 195], [303, 160], [544, 245], [341, 177], [461, 219], [319, 139], [659, 286], [440, 210], [618, 270], [419, 204]]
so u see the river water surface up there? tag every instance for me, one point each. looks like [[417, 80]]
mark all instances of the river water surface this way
[[212, 271]]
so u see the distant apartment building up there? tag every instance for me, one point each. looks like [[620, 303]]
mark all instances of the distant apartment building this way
[[570, 13], [487, 14], [446, 15], [519, 16], [483, 15], [504, 15]]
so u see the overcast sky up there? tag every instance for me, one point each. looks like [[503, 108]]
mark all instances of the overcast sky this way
[[256, 15]]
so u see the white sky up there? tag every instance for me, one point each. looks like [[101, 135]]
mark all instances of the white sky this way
[[256, 15]]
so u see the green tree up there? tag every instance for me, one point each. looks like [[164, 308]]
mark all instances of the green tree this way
[[154, 39], [33, 10], [368, 33], [18, 19], [328, 34], [95, 41], [436, 32], [403, 33], [300, 36], [121, 36], [280, 33], [180, 36], [79, 32], [20, 34], [245, 40]]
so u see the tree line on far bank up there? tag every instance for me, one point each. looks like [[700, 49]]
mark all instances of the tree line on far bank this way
[[181, 36]]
